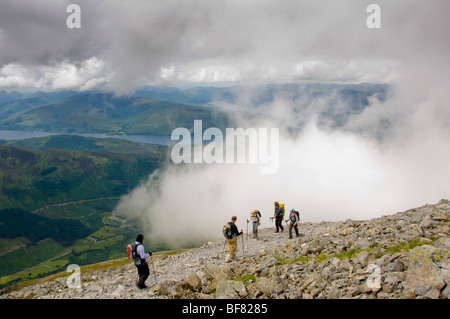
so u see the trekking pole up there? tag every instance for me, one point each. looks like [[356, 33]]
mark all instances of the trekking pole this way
[[153, 267], [243, 250], [247, 229]]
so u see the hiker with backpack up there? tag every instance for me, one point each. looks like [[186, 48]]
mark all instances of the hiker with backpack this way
[[294, 218], [278, 214], [139, 256], [255, 217], [231, 233]]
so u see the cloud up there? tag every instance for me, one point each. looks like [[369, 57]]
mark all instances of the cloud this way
[[217, 41], [86, 75]]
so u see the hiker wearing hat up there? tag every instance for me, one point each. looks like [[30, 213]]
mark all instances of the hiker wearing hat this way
[[294, 219], [231, 233], [278, 214]]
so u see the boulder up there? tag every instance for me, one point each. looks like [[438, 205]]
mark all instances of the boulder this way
[[230, 289], [193, 282], [266, 285], [160, 289], [422, 271]]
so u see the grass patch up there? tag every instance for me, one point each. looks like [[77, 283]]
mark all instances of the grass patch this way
[[405, 246], [321, 257], [348, 254], [245, 278], [286, 261]]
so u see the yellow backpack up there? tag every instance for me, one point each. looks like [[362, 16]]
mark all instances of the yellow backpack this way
[[255, 213]]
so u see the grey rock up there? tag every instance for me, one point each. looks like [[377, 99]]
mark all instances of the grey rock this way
[[446, 292], [160, 289], [433, 293], [230, 289], [422, 290], [193, 282], [267, 263], [397, 266]]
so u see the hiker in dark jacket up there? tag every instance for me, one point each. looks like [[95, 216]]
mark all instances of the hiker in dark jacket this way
[[141, 263], [231, 240], [278, 214]]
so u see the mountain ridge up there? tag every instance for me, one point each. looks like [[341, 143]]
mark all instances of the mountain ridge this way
[[400, 256], [159, 110], [104, 113]]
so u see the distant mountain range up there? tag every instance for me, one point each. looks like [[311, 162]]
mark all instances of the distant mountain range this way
[[159, 110], [103, 113]]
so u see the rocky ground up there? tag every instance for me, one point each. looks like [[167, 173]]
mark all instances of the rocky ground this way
[[404, 255]]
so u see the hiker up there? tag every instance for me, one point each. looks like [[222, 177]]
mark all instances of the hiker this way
[[231, 233], [294, 219], [255, 217], [141, 263], [278, 214]]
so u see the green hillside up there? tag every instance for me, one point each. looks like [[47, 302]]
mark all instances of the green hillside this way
[[81, 143], [108, 114], [56, 204], [16, 223], [31, 179]]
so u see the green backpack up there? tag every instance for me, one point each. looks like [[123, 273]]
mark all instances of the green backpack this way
[[226, 230]]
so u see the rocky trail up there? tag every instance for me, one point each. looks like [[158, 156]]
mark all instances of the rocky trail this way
[[404, 255]]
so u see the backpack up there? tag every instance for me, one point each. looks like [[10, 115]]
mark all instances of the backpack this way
[[226, 230], [298, 216], [132, 253], [282, 209], [255, 213]]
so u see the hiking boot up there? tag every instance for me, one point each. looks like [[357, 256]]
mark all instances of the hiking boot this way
[[141, 286]]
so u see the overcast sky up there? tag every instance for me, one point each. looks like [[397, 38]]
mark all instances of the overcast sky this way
[[125, 44]]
